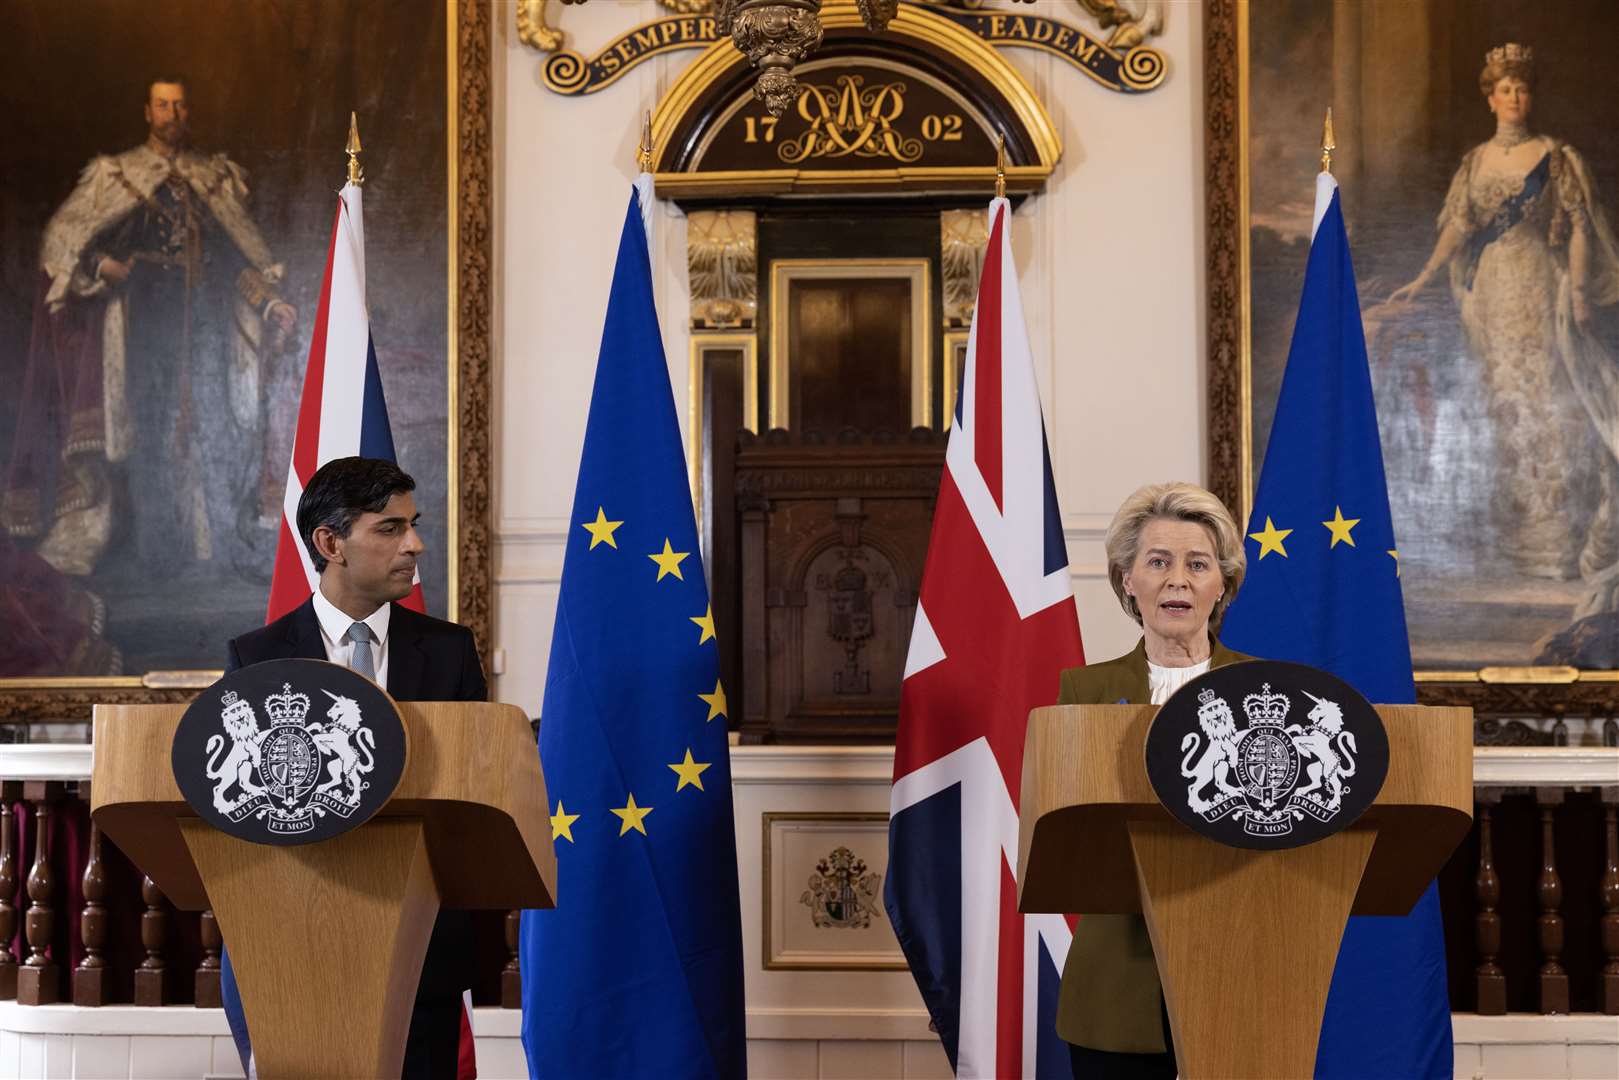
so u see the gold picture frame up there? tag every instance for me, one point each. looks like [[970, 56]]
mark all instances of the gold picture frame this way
[[776, 954], [702, 343], [917, 271], [955, 362], [1228, 127], [468, 42]]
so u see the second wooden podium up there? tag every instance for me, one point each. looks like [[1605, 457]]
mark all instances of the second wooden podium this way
[[1246, 940], [327, 939]]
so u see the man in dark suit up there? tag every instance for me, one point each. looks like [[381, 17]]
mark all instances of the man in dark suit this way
[[357, 520]]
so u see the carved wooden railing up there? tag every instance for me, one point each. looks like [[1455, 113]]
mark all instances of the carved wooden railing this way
[[82, 925], [1531, 900]]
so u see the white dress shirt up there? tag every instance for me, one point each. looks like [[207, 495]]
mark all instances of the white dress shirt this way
[[334, 634], [1164, 681]]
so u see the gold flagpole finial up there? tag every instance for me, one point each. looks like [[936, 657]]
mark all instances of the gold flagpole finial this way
[[1327, 143], [643, 152], [1000, 166], [356, 174]]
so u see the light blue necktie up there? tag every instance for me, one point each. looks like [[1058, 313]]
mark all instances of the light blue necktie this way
[[361, 661]]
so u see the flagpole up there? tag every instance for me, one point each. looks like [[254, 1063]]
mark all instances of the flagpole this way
[[1328, 144], [643, 152], [1000, 166], [356, 174]]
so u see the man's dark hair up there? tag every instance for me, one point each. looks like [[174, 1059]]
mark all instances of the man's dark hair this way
[[343, 489], [166, 80]]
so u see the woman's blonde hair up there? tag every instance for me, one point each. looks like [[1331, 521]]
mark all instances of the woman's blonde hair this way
[[1177, 501]]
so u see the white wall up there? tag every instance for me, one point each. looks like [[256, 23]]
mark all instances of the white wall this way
[[1110, 258]]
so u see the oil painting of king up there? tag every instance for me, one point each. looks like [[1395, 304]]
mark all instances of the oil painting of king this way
[[157, 308]]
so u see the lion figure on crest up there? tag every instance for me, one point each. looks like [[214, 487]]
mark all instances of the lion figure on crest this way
[[243, 759], [1329, 764], [1219, 757], [347, 766]]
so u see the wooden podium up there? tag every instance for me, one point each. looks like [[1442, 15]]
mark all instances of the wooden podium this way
[[1245, 940], [327, 939]]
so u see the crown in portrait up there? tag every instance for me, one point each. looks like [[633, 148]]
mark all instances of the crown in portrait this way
[[1265, 707], [287, 707], [1511, 52]]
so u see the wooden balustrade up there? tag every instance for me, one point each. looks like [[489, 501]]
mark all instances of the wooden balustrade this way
[[38, 976], [151, 978], [1490, 983], [1610, 902], [511, 976], [1549, 888], [1534, 900], [206, 983], [9, 790], [90, 976]]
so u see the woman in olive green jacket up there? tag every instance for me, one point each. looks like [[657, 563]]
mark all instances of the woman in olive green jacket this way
[[1175, 559]]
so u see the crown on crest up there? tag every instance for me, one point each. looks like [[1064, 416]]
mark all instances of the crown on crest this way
[[287, 707], [1511, 52], [1205, 698], [1265, 707], [235, 707]]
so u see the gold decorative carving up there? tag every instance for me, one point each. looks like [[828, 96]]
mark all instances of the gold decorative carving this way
[[722, 268], [1132, 21], [775, 36], [471, 258], [533, 30], [923, 27], [1225, 191], [876, 14], [687, 7], [963, 237], [851, 118]]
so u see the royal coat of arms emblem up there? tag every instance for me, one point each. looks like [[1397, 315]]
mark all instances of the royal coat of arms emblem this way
[[295, 770], [1280, 777], [286, 766], [842, 892]]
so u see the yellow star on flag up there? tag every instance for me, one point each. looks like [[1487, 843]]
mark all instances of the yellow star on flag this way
[[562, 823], [1395, 553], [1271, 539], [632, 817], [601, 530], [706, 621], [716, 701], [1340, 528], [689, 771], [668, 561]]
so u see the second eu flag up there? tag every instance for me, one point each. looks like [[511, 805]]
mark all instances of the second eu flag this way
[[1323, 589], [638, 971]]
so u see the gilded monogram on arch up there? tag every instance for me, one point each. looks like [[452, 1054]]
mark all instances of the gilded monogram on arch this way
[[847, 117]]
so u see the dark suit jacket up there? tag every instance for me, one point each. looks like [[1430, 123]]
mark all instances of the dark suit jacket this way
[[428, 660], [1111, 998]]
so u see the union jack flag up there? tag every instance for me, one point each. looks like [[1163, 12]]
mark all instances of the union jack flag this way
[[342, 411], [995, 625]]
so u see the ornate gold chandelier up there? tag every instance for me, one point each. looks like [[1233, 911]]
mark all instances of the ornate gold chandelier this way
[[777, 35]]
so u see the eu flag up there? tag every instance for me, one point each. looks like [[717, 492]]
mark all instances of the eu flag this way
[[1323, 588], [638, 971]]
